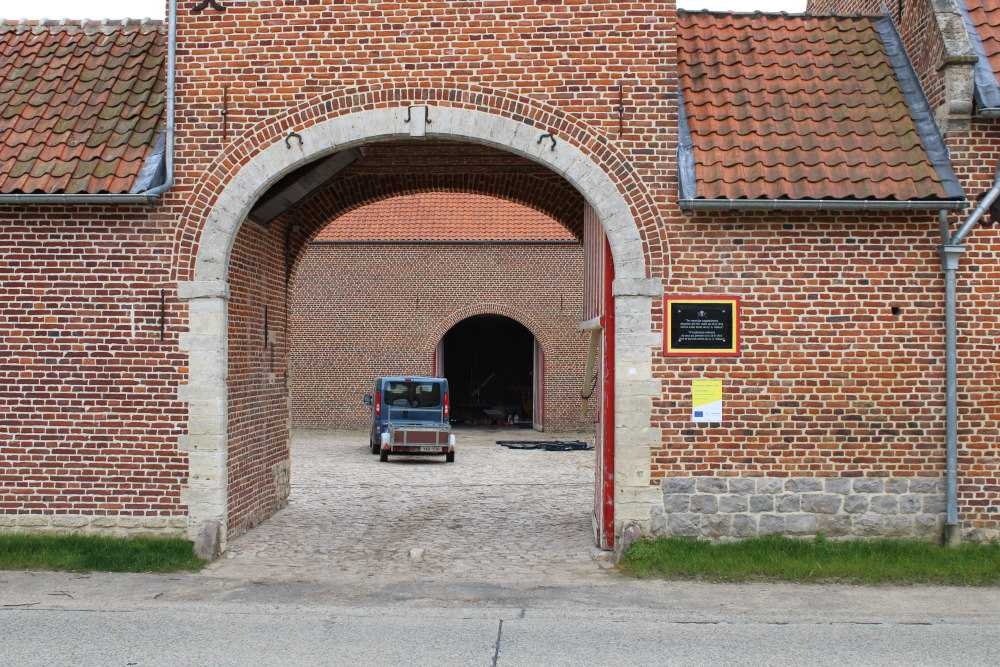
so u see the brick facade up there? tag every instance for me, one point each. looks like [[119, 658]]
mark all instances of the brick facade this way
[[840, 376], [363, 310], [940, 52], [90, 370]]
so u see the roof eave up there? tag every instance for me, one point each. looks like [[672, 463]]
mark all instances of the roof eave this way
[[820, 205], [98, 199]]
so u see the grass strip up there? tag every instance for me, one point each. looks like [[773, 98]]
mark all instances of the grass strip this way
[[821, 561], [87, 553]]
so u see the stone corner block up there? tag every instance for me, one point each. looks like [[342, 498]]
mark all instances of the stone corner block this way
[[203, 289]]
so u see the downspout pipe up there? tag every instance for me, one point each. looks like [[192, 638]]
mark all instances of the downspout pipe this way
[[950, 255], [149, 197], [950, 252]]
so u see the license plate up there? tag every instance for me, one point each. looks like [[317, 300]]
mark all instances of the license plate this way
[[424, 448]]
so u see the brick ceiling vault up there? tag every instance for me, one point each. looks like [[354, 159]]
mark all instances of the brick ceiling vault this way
[[395, 168]]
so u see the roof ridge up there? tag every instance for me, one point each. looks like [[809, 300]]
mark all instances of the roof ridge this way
[[86, 26]]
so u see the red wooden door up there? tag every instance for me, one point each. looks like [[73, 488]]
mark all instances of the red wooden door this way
[[599, 309], [538, 389]]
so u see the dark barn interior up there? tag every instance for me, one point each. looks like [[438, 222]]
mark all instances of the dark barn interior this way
[[488, 363]]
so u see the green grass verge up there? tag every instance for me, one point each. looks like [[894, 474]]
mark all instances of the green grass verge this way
[[84, 553], [821, 561]]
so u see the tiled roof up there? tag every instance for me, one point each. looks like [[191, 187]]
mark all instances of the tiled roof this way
[[986, 18], [445, 216], [983, 21], [800, 107], [81, 104]]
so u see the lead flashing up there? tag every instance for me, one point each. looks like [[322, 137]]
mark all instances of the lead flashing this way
[[685, 151], [987, 89], [920, 109]]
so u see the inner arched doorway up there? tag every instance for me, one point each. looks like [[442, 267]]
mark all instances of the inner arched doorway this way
[[493, 365]]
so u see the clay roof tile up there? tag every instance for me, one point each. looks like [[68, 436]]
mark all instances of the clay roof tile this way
[[785, 106], [445, 216], [81, 104]]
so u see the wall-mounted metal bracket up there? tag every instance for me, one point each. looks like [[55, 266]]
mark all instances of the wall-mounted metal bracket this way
[[205, 4], [621, 111], [548, 135], [418, 117], [288, 139], [409, 110]]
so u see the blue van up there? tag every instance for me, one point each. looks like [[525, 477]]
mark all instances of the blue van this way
[[410, 415]]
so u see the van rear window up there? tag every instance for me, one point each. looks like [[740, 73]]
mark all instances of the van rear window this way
[[412, 394]]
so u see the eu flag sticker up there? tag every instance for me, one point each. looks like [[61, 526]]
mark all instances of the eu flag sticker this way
[[706, 400]]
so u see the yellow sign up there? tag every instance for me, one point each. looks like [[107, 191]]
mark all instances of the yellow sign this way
[[706, 400]]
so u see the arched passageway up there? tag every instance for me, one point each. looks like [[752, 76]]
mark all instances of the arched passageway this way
[[238, 298]]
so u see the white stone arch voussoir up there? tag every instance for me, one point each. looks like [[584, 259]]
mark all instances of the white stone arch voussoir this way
[[206, 394]]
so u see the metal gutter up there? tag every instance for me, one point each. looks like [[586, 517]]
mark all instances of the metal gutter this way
[[819, 205], [920, 109], [77, 199], [950, 252], [148, 197]]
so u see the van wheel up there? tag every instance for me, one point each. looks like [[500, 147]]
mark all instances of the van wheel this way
[[374, 448], [383, 456], [449, 457]]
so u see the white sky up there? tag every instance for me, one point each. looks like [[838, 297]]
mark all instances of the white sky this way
[[155, 9]]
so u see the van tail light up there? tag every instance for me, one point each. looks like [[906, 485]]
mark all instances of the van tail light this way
[[378, 403], [447, 406]]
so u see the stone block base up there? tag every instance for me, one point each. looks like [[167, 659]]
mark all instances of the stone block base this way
[[111, 526], [726, 508]]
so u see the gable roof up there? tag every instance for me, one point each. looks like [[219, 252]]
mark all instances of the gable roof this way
[[798, 107], [445, 216], [81, 105]]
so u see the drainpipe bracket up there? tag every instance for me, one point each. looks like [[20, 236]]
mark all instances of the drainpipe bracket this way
[[950, 255]]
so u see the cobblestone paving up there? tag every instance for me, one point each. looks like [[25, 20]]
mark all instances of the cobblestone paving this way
[[499, 516]]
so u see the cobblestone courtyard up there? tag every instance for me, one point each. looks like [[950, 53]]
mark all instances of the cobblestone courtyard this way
[[499, 516]]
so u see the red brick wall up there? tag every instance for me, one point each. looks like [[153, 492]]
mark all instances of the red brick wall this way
[[88, 388], [363, 310], [553, 64], [975, 154], [830, 381], [257, 381]]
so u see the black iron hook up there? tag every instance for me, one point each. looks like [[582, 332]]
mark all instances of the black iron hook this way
[[288, 139], [551, 136], [204, 4], [426, 115]]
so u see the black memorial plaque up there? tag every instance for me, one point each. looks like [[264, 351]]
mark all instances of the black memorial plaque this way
[[702, 326]]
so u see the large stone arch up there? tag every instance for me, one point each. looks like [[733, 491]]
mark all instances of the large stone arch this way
[[205, 394]]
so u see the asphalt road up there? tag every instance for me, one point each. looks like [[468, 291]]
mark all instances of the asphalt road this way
[[103, 619]]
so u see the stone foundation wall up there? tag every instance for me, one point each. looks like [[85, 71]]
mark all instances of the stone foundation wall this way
[[721, 508], [112, 526]]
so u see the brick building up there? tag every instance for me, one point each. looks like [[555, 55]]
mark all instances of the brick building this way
[[156, 195], [477, 289]]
